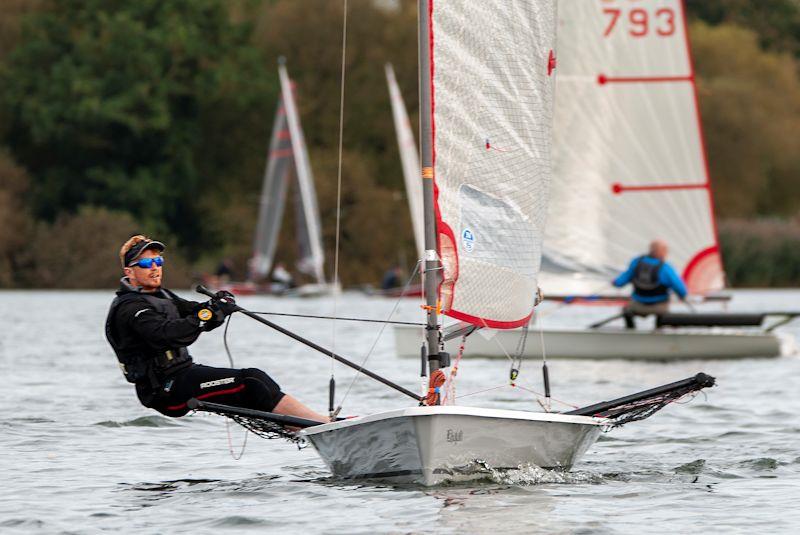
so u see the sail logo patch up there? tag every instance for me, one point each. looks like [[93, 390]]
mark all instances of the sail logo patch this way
[[468, 240]]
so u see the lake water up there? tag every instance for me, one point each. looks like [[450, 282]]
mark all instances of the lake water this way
[[80, 455]]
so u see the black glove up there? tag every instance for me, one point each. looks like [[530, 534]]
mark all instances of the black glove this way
[[225, 302], [225, 294], [210, 315]]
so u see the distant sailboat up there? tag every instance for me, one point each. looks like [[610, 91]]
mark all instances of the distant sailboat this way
[[287, 161], [409, 158], [629, 167], [628, 149]]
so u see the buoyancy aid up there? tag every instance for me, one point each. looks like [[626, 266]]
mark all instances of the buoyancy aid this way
[[138, 362], [646, 279]]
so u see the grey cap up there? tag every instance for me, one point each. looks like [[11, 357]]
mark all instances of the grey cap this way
[[137, 250]]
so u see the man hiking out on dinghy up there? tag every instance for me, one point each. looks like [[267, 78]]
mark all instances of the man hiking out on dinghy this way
[[652, 278], [150, 328]]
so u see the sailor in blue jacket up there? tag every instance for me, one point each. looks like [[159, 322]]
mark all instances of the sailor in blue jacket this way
[[653, 278]]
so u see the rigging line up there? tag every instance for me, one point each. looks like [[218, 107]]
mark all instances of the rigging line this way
[[592, 291], [499, 344], [339, 186], [340, 318], [374, 343], [450, 387], [225, 340], [541, 342], [482, 391], [227, 420], [498, 387], [545, 372], [539, 394]]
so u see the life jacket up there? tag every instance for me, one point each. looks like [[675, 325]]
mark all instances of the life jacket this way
[[138, 362], [646, 279]]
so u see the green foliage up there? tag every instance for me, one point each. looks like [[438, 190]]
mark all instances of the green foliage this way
[[108, 100], [761, 253], [16, 225], [81, 250], [750, 105], [376, 228], [154, 116], [776, 22]]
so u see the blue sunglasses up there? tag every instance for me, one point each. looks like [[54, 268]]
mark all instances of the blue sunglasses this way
[[147, 263]]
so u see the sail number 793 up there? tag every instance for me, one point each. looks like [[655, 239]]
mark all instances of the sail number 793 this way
[[637, 21]]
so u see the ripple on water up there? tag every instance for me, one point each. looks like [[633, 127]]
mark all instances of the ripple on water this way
[[239, 521], [761, 464], [162, 486], [695, 467], [31, 420], [27, 523], [726, 464], [142, 421]]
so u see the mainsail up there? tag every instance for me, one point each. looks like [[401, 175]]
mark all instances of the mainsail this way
[[491, 91], [309, 237], [287, 162], [280, 162], [409, 160], [629, 161]]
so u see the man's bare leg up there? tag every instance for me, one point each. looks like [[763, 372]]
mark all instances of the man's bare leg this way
[[292, 407]]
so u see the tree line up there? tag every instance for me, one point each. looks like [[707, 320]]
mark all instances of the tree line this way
[[154, 116]]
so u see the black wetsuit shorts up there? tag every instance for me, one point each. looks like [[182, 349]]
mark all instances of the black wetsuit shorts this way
[[249, 387]]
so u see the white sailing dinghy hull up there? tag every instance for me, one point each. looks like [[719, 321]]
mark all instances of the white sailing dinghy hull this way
[[660, 344], [431, 445]]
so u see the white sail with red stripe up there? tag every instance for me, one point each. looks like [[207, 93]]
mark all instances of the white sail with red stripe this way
[[409, 159], [629, 160], [492, 100], [309, 228], [288, 161], [280, 162]]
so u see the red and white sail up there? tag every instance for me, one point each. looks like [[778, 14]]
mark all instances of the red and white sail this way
[[309, 228], [280, 162], [629, 161], [287, 162], [492, 99]]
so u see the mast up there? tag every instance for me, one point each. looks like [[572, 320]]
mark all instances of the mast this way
[[432, 262]]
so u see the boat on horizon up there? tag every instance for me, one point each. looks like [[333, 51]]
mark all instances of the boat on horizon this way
[[287, 163]]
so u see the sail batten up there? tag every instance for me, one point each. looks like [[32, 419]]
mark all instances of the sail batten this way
[[492, 98]]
